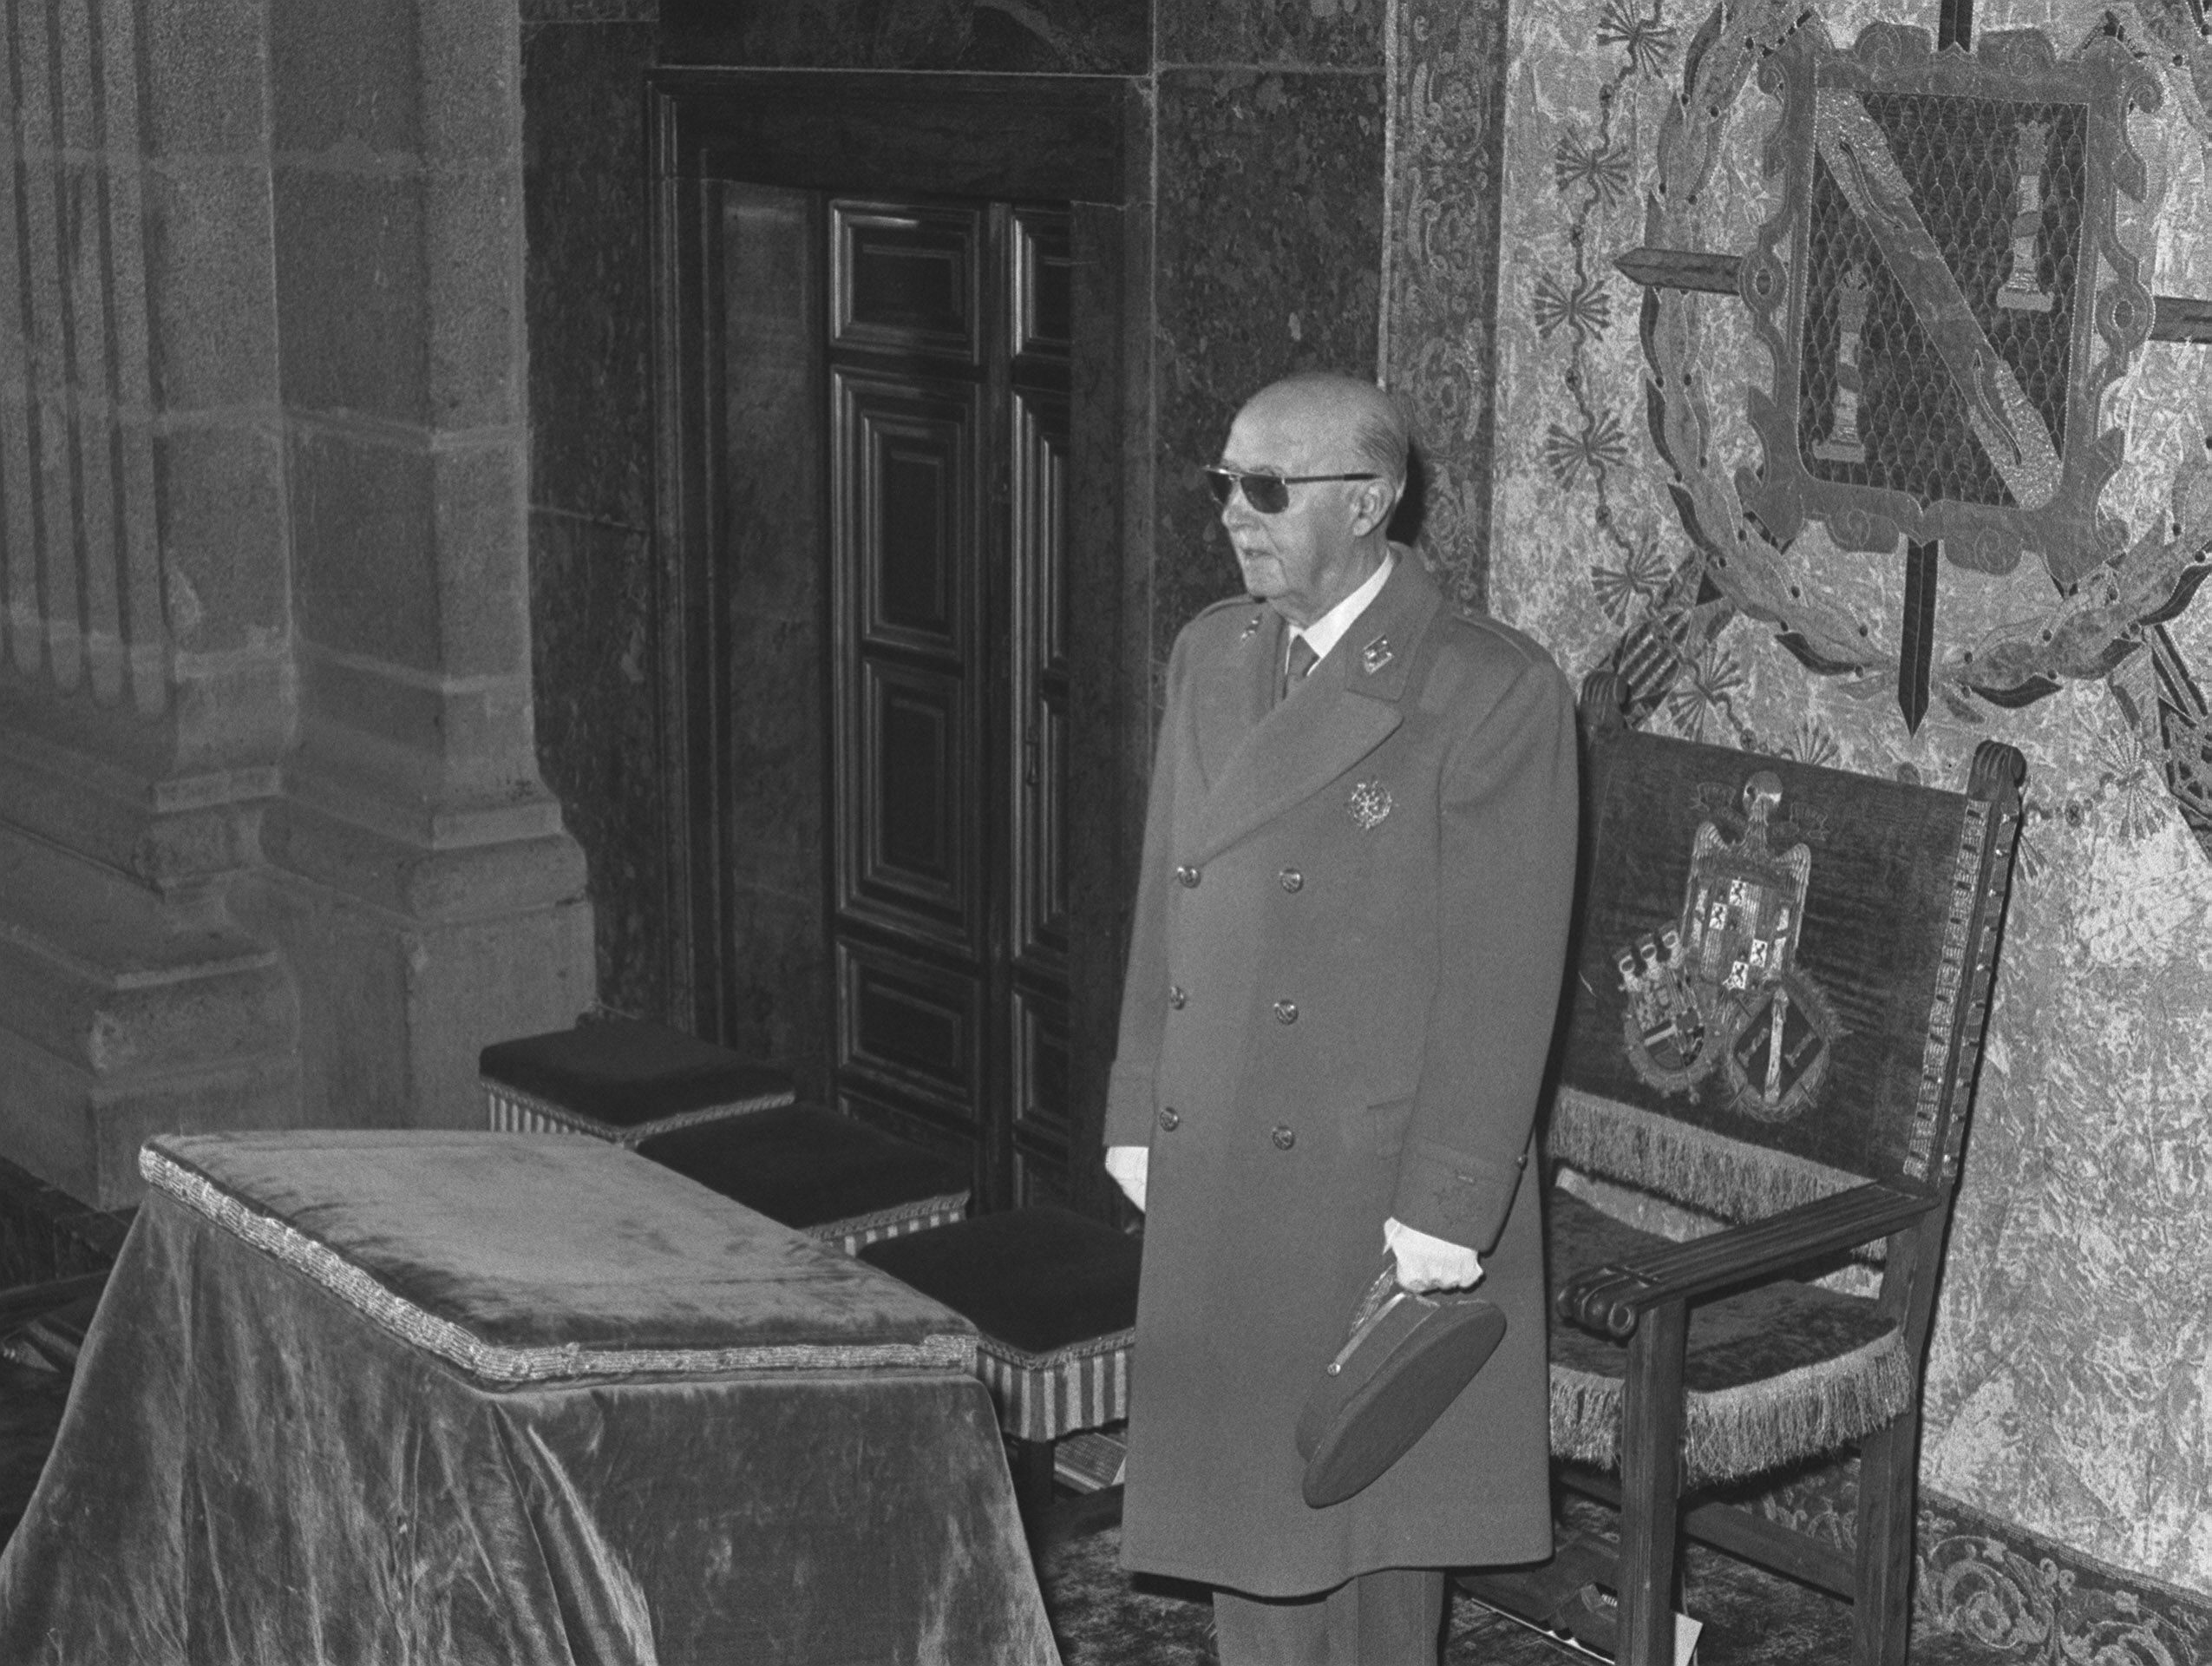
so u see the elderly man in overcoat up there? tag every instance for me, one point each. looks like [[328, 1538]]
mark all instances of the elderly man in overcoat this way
[[1343, 977]]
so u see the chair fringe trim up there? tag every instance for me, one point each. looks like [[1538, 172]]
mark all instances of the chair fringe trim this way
[[1732, 1433], [503, 1363], [1736, 1181]]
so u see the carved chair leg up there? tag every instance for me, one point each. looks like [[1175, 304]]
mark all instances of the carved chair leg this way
[[1651, 1482], [1882, 1613]]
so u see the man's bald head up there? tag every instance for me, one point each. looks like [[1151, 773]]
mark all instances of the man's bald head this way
[[1337, 445], [1343, 414]]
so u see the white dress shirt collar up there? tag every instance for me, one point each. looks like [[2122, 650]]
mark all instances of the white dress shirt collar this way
[[1327, 631]]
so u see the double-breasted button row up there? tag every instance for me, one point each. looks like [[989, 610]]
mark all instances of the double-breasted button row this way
[[1186, 875], [1285, 1011], [1283, 1134]]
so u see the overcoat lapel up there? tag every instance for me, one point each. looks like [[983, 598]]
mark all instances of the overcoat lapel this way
[[1237, 691], [1348, 707]]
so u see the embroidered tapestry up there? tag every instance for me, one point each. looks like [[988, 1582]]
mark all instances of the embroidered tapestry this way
[[1846, 385]]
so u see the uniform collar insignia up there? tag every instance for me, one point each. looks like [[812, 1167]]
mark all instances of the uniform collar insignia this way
[[1250, 627], [1375, 655]]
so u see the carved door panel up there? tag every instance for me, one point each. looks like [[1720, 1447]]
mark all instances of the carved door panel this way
[[948, 404]]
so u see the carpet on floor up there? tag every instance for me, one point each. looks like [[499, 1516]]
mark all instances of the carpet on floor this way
[[1104, 1616]]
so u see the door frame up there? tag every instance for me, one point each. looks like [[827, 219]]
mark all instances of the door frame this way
[[1076, 139]]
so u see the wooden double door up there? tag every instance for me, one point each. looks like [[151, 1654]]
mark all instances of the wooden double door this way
[[947, 356]]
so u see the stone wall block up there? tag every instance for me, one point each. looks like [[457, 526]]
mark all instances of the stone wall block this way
[[75, 77], [240, 1096], [473, 231], [349, 75], [232, 1011], [472, 83], [82, 1134], [233, 711], [493, 862], [353, 312], [353, 1032], [393, 1013], [167, 836], [211, 284], [473, 984], [428, 745], [223, 535], [204, 69], [481, 525], [412, 554], [364, 545], [109, 977]]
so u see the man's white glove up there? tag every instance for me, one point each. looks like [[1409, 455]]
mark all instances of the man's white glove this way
[[1128, 1165], [1423, 1262]]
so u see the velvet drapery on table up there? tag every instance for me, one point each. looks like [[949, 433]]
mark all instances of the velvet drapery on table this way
[[430, 1398]]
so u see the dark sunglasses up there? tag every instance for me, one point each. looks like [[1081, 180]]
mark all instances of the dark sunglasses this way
[[1268, 493]]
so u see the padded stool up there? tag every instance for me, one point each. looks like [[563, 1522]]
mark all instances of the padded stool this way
[[831, 1176], [620, 1080], [1053, 1296]]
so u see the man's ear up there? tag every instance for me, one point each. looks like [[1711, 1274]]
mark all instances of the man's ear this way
[[1372, 501]]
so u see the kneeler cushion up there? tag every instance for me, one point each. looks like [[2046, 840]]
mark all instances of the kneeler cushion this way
[[1055, 1296], [625, 1078], [808, 1168], [1034, 1279], [1774, 1373]]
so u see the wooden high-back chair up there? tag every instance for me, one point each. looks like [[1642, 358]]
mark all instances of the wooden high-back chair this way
[[1781, 983]]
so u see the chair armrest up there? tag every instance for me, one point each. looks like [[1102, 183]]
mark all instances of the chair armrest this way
[[1610, 1299]]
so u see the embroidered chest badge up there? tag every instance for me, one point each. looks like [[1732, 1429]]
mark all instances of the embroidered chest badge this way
[[1369, 803], [1721, 987]]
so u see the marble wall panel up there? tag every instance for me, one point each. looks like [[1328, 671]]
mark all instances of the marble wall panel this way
[[588, 269], [2066, 1388], [590, 11], [593, 644], [1269, 227], [1038, 36], [1305, 34], [592, 665], [772, 570]]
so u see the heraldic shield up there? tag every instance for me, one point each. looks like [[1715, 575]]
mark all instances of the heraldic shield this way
[[1720, 989], [1944, 295]]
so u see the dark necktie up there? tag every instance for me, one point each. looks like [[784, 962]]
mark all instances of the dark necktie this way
[[1302, 660]]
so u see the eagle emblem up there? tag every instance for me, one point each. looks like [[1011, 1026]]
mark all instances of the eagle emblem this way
[[1720, 989]]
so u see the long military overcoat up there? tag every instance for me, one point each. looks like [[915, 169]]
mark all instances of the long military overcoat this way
[[1344, 973]]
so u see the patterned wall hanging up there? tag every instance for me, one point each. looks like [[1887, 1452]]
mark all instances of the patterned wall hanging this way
[[1945, 299]]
